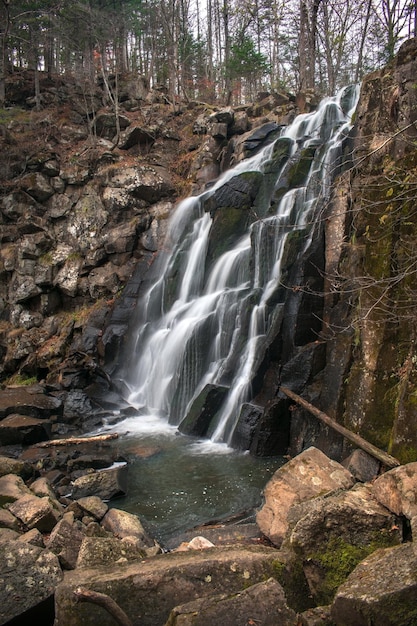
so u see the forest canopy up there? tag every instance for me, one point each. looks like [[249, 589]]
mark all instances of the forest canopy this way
[[213, 50]]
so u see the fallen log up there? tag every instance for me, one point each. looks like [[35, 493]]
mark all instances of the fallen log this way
[[384, 457], [76, 440]]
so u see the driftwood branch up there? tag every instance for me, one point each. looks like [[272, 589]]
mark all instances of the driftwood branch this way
[[76, 440], [379, 454], [101, 599]]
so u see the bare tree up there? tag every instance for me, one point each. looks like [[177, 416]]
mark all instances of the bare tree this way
[[307, 43]]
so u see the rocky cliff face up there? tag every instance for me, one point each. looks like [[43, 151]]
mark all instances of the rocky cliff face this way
[[369, 382]]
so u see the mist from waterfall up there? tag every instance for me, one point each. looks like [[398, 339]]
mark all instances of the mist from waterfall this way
[[207, 323]]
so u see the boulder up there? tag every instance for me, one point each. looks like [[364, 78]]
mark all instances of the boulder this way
[[307, 476], [224, 116], [355, 525], [148, 589], [240, 123], [255, 139], [196, 543], [15, 466], [68, 276], [380, 590], [77, 405], [33, 536], [135, 135], [121, 239], [317, 616], [93, 506], [12, 488], [144, 182], [41, 487], [105, 124], [29, 575], [271, 435], [263, 603], [245, 428], [362, 465], [38, 186], [28, 401], [219, 130], [8, 534], [23, 429], [35, 512], [106, 483], [123, 524], [65, 541], [9, 521], [203, 409], [107, 551], [397, 490], [103, 281]]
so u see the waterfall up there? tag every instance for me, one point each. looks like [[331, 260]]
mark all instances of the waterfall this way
[[210, 312]]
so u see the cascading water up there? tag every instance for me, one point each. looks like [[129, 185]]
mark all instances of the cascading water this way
[[210, 313]]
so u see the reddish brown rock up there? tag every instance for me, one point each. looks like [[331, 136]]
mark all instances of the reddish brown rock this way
[[307, 476]]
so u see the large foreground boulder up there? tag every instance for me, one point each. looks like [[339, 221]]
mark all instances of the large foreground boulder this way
[[309, 475], [336, 532], [28, 574], [263, 603], [381, 590], [148, 590]]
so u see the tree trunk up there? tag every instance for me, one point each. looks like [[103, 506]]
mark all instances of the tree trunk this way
[[5, 19], [386, 459], [307, 43], [227, 82]]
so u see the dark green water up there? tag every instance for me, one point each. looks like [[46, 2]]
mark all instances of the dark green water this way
[[176, 483]]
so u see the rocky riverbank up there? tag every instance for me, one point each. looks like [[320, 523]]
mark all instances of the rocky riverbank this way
[[331, 544]]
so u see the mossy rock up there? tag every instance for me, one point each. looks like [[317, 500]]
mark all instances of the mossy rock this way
[[229, 225], [299, 170]]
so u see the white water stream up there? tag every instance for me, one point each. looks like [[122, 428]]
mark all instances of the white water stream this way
[[207, 323], [201, 325]]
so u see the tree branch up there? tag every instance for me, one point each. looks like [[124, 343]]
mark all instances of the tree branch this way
[[101, 599]]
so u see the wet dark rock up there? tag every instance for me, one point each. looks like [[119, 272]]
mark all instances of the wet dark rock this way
[[271, 434], [77, 405], [239, 192], [202, 411], [245, 428], [255, 140]]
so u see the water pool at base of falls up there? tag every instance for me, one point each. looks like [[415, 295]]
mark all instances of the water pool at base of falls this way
[[176, 483]]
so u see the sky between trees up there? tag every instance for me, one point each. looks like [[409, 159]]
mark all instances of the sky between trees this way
[[223, 51]]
